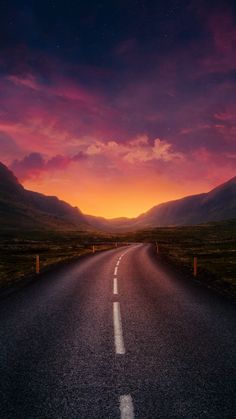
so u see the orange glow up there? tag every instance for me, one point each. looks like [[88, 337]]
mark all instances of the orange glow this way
[[112, 199]]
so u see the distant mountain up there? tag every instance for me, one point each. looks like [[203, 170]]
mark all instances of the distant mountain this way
[[216, 205], [109, 225], [23, 209]]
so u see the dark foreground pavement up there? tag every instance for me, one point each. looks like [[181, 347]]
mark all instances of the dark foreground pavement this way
[[58, 357]]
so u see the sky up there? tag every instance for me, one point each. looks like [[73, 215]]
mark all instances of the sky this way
[[118, 106]]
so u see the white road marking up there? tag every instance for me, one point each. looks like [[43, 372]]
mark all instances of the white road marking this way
[[115, 286], [126, 407], [115, 271], [118, 334], [118, 262]]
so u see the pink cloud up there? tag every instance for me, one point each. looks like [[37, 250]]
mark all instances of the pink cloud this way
[[34, 164], [227, 115], [219, 49], [223, 28], [26, 81]]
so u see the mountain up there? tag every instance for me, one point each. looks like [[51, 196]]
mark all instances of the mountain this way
[[109, 225], [23, 209], [216, 205]]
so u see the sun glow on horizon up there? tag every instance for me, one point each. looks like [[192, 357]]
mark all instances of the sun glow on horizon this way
[[108, 201]]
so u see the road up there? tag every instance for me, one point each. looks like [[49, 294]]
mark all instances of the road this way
[[116, 335]]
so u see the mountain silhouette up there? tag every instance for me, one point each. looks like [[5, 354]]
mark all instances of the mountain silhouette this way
[[217, 205], [21, 209]]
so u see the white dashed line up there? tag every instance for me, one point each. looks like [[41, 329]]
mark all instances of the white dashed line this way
[[118, 334], [126, 404], [126, 407], [115, 286]]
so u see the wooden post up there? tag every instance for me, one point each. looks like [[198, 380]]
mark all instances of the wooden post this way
[[37, 264], [93, 249], [195, 266]]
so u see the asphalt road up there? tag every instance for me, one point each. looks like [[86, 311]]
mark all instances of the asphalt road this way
[[116, 335]]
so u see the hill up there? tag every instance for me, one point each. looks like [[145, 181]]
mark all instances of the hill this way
[[217, 205], [23, 209]]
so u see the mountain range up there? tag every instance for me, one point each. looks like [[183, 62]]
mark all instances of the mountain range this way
[[23, 209]]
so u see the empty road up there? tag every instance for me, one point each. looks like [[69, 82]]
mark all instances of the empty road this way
[[115, 335]]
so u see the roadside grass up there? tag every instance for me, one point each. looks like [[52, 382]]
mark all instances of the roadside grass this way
[[18, 251], [214, 244]]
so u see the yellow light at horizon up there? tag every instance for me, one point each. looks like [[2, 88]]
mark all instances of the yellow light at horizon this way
[[110, 200]]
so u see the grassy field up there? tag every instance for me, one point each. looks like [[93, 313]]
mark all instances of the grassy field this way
[[214, 245], [18, 251]]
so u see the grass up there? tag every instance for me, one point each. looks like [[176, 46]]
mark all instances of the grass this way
[[18, 251], [214, 244]]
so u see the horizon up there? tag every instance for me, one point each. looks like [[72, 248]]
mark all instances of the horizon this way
[[118, 108], [162, 202], [126, 217], [134, 214]]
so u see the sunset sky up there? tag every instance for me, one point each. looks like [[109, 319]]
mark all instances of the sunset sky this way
[[118, 106]]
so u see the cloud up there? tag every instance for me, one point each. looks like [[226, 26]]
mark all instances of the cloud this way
[[8, 146], [34, 164], [112, 155], [139, 150], [161, 150], [223, 27], [28, 81], [30, 166]]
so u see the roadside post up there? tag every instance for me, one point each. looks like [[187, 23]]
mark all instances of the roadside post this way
[[93, 248], [37, 264], [195, 266]]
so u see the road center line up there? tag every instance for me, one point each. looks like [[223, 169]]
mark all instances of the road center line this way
[[126, 407], [115, 271], [115, 286], [118, 334], [118, 262]]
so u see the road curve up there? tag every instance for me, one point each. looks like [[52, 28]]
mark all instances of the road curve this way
[[116, 335]]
